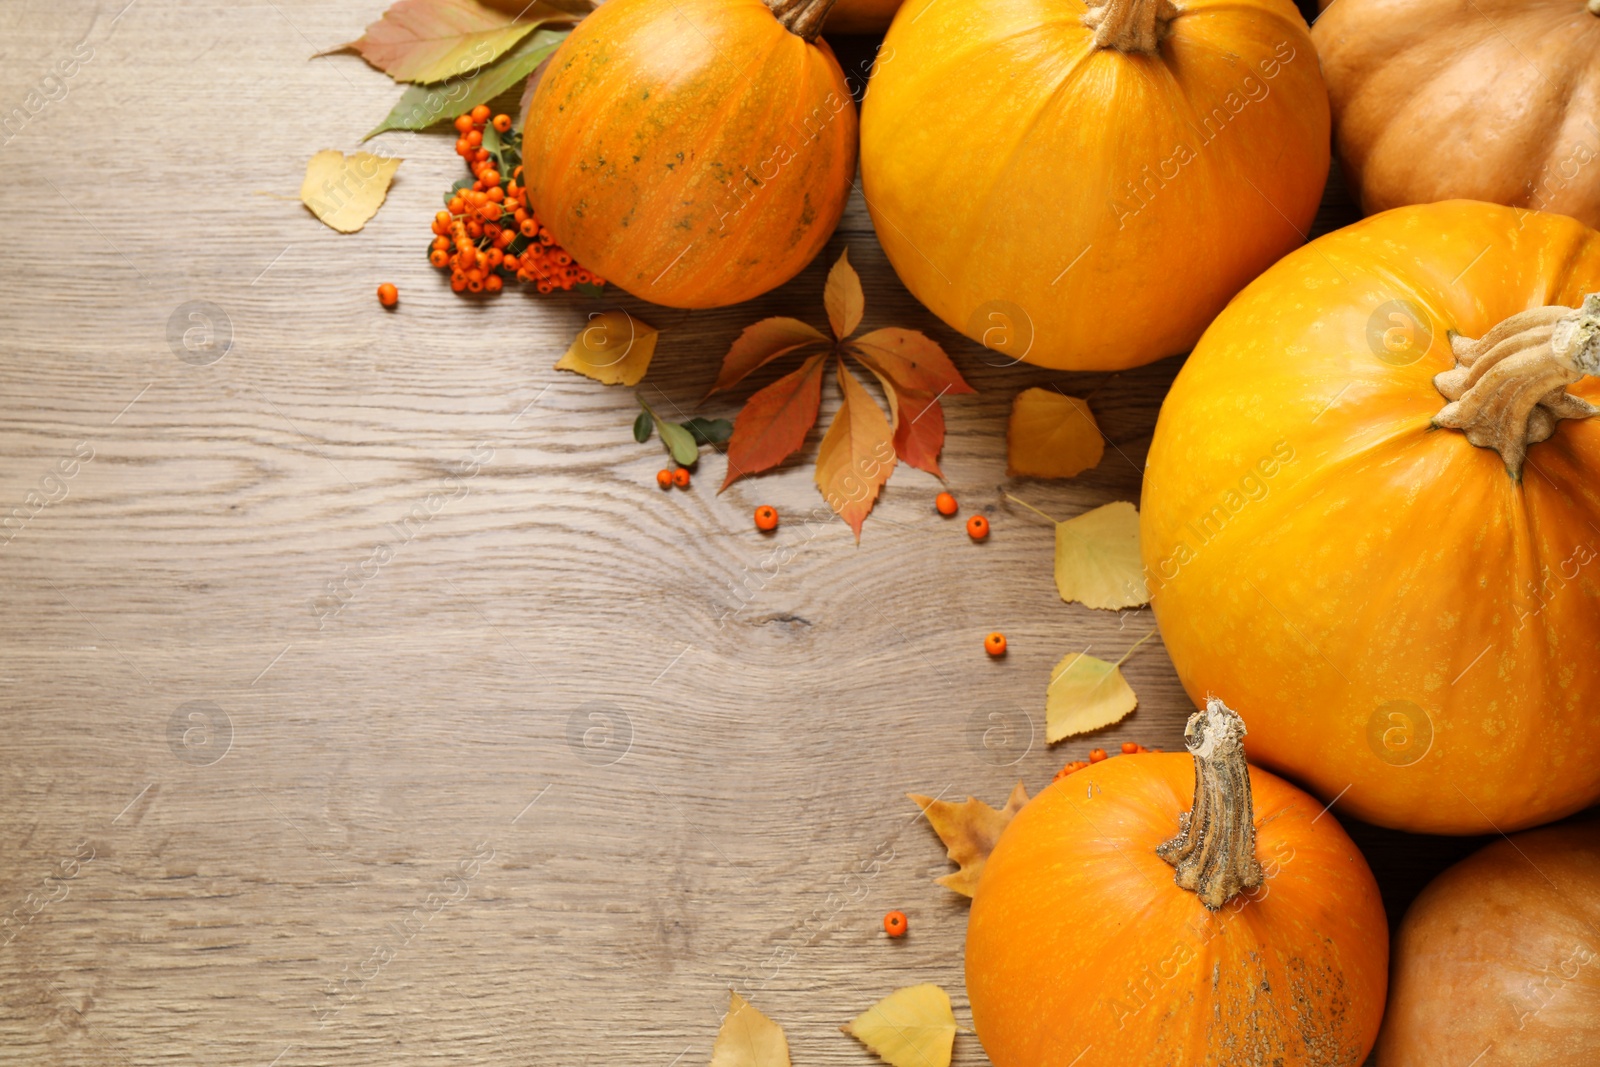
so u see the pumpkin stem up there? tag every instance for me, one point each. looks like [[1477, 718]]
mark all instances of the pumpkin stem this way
[[1508, 389], [1594, 7], [803, 18], [1215, 850], [1131, 25]]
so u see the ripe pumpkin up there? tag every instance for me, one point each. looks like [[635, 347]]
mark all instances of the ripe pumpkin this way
[[695, 152], [1035, 168], [1372, 513], [1494, 100], [1116, 925], [1501, 953]]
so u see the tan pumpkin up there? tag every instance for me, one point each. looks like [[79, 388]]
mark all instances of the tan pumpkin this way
[[1495, 100], [1497, 963]]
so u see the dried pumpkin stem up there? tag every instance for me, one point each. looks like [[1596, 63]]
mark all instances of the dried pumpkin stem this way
[[803, 18], [1594, 7], [1215, 850], [1508, 389], [1131, 25]]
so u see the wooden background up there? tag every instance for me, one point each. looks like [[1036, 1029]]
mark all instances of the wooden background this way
[[639, 752]]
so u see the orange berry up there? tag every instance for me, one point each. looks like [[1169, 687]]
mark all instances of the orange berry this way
[[438, 257], [978, 528], [489, 176], [995, 644], [458, 281], [443, 219], [388, 295], [664, 479], [497, 194], [491, 211], [502, 123], [474, 285], [1096, 755], [480, 155], [493, 283], [529, 228], [1130, 747], [475, 138], [480, 114], [494, 258], [457, 205], [946, 504], [511, 263], [766, 518], [680, 477], [463, 123], [894, 924], [463, 147], [1071, 768]]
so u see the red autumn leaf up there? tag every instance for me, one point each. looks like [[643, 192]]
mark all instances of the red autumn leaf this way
[[762, 343], [427, 41], [775, 421], [843, 298], [910, 359], [919, 432], [857, 454]]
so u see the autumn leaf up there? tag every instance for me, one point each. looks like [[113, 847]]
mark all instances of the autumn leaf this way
[[762, 343], [843, 298], [857, 454], [614, 348], [748, 1038], [345, 191], [911, 1027], [1097, 558], [775, 421], [1051, 435], [427, 41], [1087, 694], [911, 359], [422, 106], [969, 831], [919, 431]]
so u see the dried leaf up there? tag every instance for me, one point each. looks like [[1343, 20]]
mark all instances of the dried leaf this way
[[843, 298], [1085, 694], [422, 106], [748, 1038], [919, 432], [762, 343], [614, 348], [857, 454], [427, 41], [345, 191], [1097, 558], [775, 421], [1051, 436], [911, 1027], [969, 831], [910, 359]]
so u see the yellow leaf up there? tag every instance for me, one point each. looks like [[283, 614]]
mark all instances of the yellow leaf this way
[[1097, 558], [856, 455], [614, 348], [1085, 694], [748, 1038], [842, 297], [969, 831], [345, 191], [1051, 436], [911, 1027]]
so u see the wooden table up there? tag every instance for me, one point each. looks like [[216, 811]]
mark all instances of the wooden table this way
[[575, 756]]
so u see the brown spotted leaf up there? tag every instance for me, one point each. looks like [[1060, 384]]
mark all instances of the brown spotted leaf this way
[[912, 360], [969, 831]]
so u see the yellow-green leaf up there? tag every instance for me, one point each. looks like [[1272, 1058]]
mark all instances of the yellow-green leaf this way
[[1051, 435], [748, 1038], [1097, 558], [911, 1027], [345, 191], [614, 348], [1085, 694], [427, 41]]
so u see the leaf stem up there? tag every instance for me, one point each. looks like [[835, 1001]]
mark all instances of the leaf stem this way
[[1135, 647], [1031, 508]]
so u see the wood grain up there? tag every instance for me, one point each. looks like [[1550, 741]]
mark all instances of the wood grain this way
[[285, 879]]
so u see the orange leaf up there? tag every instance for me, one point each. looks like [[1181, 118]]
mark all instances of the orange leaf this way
[[857, 454], [842, 297], [762, 343], [969, 831], [911, 360], [427, 41], [775, 421], [1051, 435], [918, 421]]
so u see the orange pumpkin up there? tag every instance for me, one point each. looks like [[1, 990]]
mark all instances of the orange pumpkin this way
[[1035, 169], [1494, 100], [1372, 514], [694, 152], [1116, 925], [1500, 954]]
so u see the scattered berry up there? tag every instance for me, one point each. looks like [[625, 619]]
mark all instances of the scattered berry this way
[[978, 528], [766, 518], [946, 504], [894, 924], [680, 477], [388, 295], [664, 479], [995, 644], [1130, 747], [1096, 755], [1072, 768]]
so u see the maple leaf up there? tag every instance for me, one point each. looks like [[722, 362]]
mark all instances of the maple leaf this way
[[1087, 694], [345, 191], [426, 41], [748, 1038], [613, 348], [969, 831], [911, 1027], [1051, 435], [861, 447]]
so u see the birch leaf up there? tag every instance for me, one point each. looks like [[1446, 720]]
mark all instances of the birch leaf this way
[[911, 1027], [1051, 435], [345, 191], [1085, 694], [614, 348], [1097, 558], [748, 1038]]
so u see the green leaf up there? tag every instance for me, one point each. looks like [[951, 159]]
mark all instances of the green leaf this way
[[422, 106], [709, 431], [590, 289], [642, 427], [680, 443], [460, 184]]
